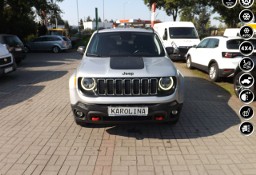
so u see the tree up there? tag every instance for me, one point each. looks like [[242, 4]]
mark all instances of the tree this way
[[99, 19], [171, 7], [229, 16], [202, 22], [88, 19], [81, 25], [20, 14]]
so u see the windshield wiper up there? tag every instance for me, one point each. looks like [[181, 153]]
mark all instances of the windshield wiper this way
[[92, 55]]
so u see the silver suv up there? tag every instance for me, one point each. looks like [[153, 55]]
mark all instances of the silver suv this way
[[125, 75], [52, 43]]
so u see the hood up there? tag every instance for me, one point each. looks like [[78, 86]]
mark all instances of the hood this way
[[186, 42], [148, 67], [3, 50]]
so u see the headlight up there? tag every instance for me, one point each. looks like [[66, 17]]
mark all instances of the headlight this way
[[88, 84], [166, 83]]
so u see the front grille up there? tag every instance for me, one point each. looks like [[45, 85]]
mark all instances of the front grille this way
[[6, 60], [127, 87], [183, 50]]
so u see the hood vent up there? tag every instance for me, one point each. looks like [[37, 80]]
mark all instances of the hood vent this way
[[126, 63]]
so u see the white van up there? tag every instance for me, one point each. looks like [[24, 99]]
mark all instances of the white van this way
[[177, 37]]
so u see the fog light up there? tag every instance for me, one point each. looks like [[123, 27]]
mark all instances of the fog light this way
[[79, 114], [175, 112], [95, 118], [159, 118]]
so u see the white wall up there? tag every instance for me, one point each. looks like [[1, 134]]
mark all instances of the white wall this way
[[92, 25]]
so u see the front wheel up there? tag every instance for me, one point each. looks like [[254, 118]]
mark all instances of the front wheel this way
[[214, 72], [55, 49]]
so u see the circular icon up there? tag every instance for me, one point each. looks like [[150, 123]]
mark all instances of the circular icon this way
[[246, 3], [246, 16], [229, 3], [246, 112], [246, 96], [246, 32], [246, 128], [246, 48], [246, 64], [246, 80]]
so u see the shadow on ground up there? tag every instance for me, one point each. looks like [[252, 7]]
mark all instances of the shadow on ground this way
[[45, 59], [205, 113], [18, 87]]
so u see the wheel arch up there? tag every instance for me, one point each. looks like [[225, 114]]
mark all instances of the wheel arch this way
[[212, 62]]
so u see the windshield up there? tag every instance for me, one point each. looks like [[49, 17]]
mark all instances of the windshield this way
[[183, 32], [13, 41], [114, 44]]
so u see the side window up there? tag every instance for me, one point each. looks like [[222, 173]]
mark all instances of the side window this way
[[213, 43], [203, 43], [56, 39], [38, 39]]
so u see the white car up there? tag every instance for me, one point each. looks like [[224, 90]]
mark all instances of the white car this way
[[7, 64], [125, 75], [217, 55]]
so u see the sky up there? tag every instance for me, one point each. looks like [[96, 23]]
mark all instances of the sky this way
[[113, 9]]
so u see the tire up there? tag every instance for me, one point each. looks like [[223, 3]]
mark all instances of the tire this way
[[214, 72], [237, 87], [55, 49], [189, 63]]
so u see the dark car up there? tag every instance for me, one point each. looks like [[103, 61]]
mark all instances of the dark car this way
[[238, 72], [14, 45]]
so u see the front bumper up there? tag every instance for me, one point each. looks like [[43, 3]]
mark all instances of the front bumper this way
[[156, 113], [19, 55], [7, 69], [180, 53]]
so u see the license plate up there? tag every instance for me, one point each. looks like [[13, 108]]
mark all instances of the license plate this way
[[127, 111], [18, 49], [9, 69]]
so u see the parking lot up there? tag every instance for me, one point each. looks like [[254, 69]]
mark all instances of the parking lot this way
[[39, 136]]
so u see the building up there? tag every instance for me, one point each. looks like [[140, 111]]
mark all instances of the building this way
[[92, 25]]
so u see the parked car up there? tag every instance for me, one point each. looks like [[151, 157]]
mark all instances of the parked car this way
[[7, 63], [238, 72], [126, 75], [69, 42], [14, 45], [54, 43], [178, 36], [217, 55]]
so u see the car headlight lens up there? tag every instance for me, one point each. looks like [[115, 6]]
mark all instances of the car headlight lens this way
[[88, 84], [166, 83]]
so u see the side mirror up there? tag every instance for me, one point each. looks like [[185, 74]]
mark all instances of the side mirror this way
[[165, 37], [194, 46], [81, 50], [169, 50]]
